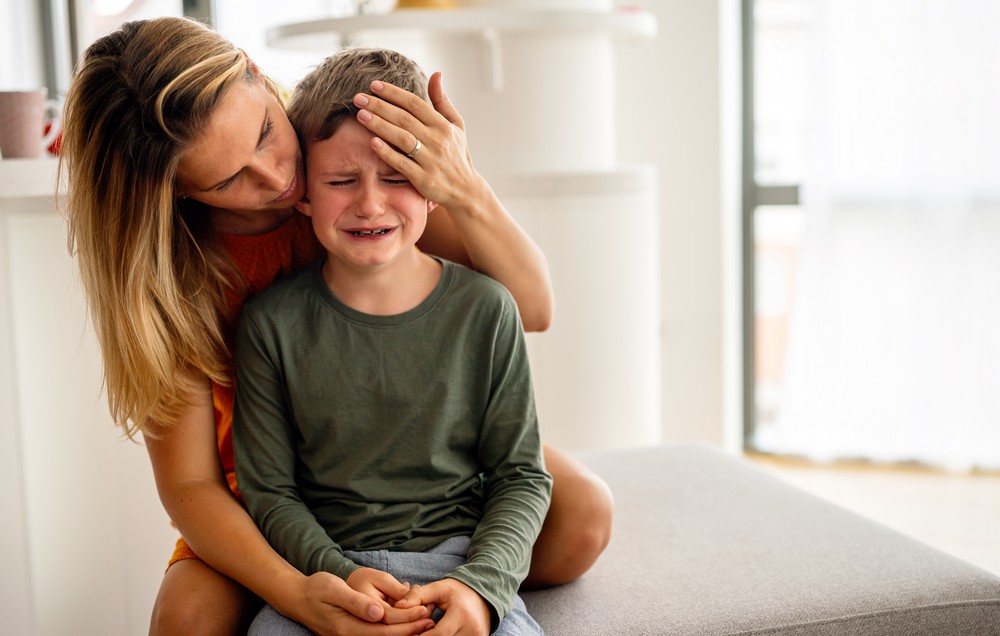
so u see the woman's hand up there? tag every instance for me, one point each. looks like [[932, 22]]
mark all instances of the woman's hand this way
[[441, 170], [476, 229]]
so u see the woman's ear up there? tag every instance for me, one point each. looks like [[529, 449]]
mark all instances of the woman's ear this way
[[430, 206]]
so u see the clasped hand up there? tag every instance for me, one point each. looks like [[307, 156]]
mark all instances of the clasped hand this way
[[465, 611]]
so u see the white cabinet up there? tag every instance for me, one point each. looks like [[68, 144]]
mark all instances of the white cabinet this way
[[536, 89], [80, 508]]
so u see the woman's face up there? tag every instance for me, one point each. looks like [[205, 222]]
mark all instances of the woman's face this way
[[248, 157]]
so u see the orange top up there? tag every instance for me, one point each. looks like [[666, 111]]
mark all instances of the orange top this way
[[262, 259]]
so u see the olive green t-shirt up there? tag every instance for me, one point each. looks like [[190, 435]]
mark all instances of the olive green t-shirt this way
[[361, 432]]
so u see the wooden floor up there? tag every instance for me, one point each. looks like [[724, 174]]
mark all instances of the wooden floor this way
[[956, 513]]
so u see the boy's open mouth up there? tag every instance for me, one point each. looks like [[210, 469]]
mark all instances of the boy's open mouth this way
[[371, 232]]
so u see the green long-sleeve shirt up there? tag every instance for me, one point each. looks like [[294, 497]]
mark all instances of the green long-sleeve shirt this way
[[361, 432]]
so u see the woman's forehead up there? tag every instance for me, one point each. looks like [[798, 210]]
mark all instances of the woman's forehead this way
[[229, 139]]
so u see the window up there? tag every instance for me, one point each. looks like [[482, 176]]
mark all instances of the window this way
[[872, 214]]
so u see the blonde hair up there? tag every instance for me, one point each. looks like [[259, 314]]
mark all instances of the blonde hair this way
[[325, 97], [156, 280]]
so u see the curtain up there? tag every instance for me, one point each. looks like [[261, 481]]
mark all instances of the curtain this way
[[894, 339]]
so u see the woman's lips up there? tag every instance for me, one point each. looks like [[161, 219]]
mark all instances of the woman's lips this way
[[287, 194]]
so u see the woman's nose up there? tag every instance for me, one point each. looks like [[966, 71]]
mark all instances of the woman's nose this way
[[269, 176]]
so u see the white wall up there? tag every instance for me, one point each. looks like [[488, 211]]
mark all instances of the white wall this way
[[670, 96]]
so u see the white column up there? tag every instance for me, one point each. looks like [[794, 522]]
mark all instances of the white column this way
[[597, 369]]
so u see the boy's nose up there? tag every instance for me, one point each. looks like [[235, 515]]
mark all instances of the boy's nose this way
[[369, 204]]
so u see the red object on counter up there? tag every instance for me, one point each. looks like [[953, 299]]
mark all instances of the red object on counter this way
[[55, 145]]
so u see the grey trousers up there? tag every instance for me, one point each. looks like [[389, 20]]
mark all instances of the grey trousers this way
[[417, 568]]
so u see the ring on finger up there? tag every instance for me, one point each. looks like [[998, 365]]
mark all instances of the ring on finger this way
[[416, 149]]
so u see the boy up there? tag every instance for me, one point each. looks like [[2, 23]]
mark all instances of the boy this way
[[385, 427]]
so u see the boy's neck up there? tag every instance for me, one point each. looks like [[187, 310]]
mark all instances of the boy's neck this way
[[385, 290]]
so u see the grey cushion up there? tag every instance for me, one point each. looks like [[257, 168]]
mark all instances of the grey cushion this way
[[705, 543]]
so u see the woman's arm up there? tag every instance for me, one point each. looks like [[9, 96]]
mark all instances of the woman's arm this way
[[194, 493], [476, 222]]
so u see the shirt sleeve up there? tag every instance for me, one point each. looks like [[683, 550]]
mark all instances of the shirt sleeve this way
[[264, 442], [518, 488]]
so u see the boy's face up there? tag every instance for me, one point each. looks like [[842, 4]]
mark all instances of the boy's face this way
[[363, 212]]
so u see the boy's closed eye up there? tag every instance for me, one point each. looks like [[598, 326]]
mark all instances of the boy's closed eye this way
[[391, 180], [340, 182]]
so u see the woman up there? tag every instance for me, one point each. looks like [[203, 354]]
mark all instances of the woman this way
[[183, 174]]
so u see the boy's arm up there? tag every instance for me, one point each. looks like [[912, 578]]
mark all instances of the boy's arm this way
[[263, 440], [518, 487]]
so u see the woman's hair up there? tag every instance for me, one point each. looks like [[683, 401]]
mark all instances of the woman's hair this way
[[156, 280], [325, 97]]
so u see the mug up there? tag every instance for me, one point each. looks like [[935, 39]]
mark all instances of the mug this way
[[23, 118], [426, 4]]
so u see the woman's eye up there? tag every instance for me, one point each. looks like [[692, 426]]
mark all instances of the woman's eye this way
[[268, 129], [223, 186]]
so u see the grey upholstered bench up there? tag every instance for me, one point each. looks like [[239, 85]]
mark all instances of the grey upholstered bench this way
[[707, 544]]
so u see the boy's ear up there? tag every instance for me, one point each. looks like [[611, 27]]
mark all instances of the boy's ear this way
[[430, 206], [303, 206]]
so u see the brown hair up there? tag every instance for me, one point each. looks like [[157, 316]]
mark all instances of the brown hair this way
[[325, 97], [156, 281]]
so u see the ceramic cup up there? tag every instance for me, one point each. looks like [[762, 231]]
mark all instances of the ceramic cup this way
[[23, 117], [426, 4]]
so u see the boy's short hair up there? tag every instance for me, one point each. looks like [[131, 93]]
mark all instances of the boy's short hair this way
[[325, 97]]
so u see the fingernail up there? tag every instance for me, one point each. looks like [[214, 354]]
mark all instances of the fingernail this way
[[377, 143], [374, 613], [361, 100], [377, 86], [364, 115]]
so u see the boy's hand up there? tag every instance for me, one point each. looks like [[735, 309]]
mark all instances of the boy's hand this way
[[465, 611], [387, 590]]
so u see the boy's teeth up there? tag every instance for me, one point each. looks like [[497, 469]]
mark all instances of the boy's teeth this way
[[370, 232]]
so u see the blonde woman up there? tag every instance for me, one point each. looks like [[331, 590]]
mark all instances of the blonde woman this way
[[183, 174]]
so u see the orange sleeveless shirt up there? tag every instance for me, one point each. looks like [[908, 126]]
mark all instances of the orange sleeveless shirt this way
[[262, 259]]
